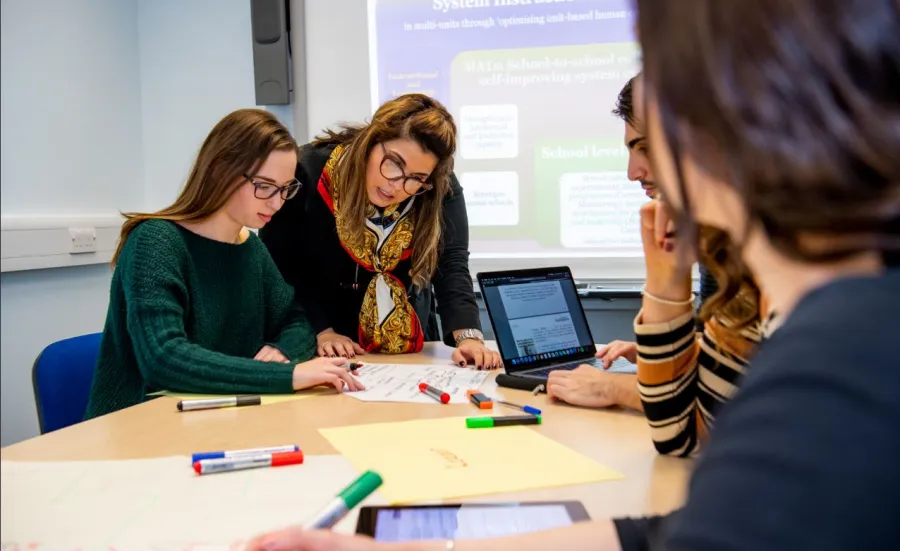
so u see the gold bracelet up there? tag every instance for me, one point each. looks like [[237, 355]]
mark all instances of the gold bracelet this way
[[666, 301]]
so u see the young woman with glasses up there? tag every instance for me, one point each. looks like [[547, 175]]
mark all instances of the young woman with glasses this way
[[196, 303], [379, 223]]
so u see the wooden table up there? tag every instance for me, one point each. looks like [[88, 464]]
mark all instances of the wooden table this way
[[615, 438]]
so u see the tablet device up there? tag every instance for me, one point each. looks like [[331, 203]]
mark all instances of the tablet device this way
[[464, 521]]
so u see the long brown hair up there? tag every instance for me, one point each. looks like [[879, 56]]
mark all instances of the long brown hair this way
[[236, 146], [412, 116], [793, 104], [736, 303]]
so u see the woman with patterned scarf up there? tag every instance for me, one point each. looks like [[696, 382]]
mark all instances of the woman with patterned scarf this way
[[378, 232]]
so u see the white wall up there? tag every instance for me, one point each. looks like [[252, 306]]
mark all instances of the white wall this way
[[71, 144], [71, 115], [105, 103], [337, 63], [40, 307], [196, 65]]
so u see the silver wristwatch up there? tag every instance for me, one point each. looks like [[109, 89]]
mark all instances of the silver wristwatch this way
[[474, 334]]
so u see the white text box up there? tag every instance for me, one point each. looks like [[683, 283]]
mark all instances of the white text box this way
[[489, 131], [599, 209], [492, 198]]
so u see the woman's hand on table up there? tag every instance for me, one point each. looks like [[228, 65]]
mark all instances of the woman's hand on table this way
[[475, 352], [271, 354], [335, 345], [325, 371]]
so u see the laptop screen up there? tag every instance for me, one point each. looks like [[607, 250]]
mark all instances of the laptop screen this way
[[537, 316]]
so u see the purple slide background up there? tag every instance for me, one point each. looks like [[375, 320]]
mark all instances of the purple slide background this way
[[400, 51]]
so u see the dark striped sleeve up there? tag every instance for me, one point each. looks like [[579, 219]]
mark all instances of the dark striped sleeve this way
[[683, 378]]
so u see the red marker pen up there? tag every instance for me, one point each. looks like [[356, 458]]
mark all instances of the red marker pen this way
[[225, 464], [435, 393]]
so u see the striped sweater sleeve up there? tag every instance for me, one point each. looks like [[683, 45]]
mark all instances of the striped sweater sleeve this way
[[685, 376]]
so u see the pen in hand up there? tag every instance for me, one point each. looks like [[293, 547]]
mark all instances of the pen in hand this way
[[347, 500]]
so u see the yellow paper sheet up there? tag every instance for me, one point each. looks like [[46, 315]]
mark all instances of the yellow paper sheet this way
[[267, 399], [434, 459]]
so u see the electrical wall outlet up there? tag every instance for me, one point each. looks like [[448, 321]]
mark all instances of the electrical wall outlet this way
[[84, 240]]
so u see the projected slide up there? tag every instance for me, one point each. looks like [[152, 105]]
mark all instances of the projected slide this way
[[531, 84]]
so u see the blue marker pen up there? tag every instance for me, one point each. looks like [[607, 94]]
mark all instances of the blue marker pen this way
[[526, 409], [237, 453]]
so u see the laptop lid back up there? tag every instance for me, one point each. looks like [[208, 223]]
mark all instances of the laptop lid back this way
[[537, 317]]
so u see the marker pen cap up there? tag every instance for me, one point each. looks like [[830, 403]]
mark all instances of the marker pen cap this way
[[488, 422], [361, 488], [480, 400], [435, 393], [287, 458], [479, 422], [249, 401]]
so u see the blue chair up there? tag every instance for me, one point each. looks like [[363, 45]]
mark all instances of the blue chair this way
[[62, 377]]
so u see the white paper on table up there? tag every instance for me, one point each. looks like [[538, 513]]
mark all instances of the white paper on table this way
[[400, 382], [161, 504]]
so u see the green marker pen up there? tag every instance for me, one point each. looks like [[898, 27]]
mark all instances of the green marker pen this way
[[488, 422], [349, 498]]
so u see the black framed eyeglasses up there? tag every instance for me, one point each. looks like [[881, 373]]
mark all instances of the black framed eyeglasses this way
[[267, 190], [392, 171]]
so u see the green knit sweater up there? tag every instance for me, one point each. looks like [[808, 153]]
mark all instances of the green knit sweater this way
[[188, 314]]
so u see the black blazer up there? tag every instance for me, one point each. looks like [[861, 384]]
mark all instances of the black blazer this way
[[303, 241]]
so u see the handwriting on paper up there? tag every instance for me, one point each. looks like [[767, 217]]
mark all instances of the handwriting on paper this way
[[453, 460], [400, 383]]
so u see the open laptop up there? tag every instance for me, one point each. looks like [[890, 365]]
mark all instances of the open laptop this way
[[539, 322]]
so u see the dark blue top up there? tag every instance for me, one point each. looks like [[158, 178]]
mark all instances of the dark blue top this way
[[807, 454], [708, 284]]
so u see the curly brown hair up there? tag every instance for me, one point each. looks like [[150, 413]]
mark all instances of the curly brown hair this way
[[736, 302]]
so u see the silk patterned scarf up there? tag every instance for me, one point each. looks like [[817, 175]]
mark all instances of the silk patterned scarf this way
[[387, 321]]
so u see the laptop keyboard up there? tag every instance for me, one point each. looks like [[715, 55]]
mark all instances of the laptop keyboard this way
[[620, 365]]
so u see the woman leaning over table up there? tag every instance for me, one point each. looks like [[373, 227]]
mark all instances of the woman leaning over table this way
[[380, 220], [196, 303], [775, 121]]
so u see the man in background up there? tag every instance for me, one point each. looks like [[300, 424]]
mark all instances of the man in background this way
[[588, 386], [630, 108], [631, 112]]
